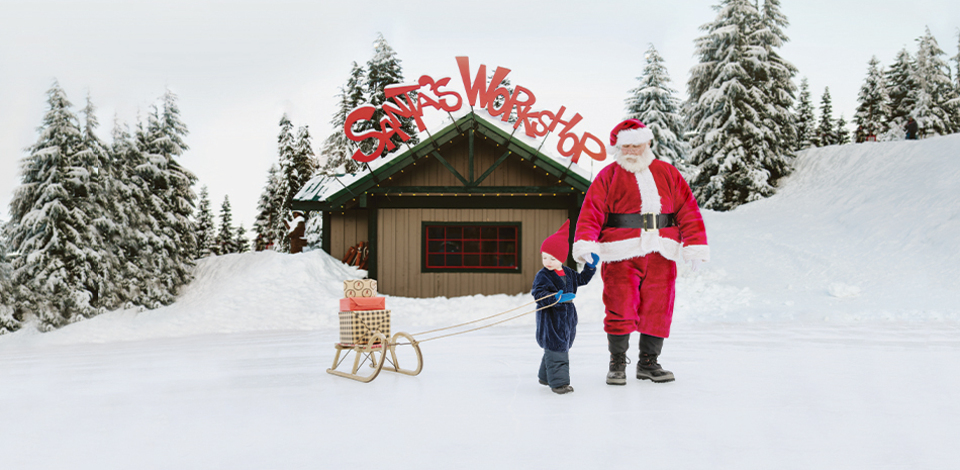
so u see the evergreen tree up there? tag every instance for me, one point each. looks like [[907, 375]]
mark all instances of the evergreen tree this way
[[656, 105], [134, 221], [49, 223], [842, 134], [206, 230], [826, 129], [934, 89], [301, 168], [735, 144], [226, 238], [313, 232], [268, 211], [102, 209], [900, 81], [805, 120], [775, 76], [241, 242], [337, 151], [287, 151], [873, 107], [383, 70], [8, 323]]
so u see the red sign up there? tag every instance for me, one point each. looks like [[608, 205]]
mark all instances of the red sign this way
[[434, 94]]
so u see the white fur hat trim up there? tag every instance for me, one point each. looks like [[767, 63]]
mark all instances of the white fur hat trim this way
[[634, 136]]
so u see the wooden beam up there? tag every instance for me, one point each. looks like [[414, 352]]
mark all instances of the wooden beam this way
[[450, 167], [492, 167], [470, 157]]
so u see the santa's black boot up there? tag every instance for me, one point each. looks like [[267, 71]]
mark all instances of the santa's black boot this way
[[648, 368], [618, 345]]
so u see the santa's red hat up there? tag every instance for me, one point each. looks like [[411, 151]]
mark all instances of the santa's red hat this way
[[631, 131], [558, 244]]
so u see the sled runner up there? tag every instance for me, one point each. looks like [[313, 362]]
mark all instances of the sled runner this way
[[378, 353]]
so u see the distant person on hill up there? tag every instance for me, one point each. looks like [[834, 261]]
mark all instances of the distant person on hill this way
[[557, 325], [912, 129], [640, 216]]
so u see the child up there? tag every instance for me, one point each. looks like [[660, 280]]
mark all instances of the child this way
[[557, 325]]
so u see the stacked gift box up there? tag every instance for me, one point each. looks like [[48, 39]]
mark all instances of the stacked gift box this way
[[362, 310]]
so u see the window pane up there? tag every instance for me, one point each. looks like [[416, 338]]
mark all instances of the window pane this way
[[435, 247], [452, 246], [471, 260], [488, 232], [435, 261], [508, 233], [454, 232], [488, 260], [454, 260], [488, 246], [471, 247], [508, 260], [471, 232], [435, 232], [508, 247]]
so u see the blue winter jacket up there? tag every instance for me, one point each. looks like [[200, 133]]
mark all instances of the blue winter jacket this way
[[557, 325]]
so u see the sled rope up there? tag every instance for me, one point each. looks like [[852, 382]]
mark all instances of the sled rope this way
[[474, 321]]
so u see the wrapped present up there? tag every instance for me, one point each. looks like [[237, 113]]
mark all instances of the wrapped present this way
[[360, 288], [362, 303], [356, 326]]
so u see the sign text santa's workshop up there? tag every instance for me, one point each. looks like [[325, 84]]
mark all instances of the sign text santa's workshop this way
[[400, 104]]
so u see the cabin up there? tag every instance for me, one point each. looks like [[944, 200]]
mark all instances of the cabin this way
[[461, 213]]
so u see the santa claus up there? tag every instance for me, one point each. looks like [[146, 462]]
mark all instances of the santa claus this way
[[641, 218]]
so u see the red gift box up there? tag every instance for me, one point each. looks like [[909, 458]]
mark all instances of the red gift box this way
[[353, 304]]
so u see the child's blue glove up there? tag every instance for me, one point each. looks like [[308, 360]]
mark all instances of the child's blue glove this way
[[561, 297], [593, 264]]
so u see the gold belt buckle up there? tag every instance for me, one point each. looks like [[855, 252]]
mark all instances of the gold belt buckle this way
[[653, 221]]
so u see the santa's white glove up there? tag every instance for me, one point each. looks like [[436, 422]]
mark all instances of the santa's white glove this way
[[694, 265]]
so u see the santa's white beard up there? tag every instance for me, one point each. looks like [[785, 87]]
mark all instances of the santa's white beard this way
[[640, 163]]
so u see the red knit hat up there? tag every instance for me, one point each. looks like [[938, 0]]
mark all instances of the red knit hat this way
[[631, 131], [558, 244]]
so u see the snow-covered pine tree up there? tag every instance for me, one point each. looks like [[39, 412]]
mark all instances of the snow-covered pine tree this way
[[729, 113], [134, 220], [775, 75], [656, 105], [206, 229], [268, 210], [805, 120], [182, 198], [337, 148], [287, 148], [241, 241], [934, 89], [102, 208], [873, 107], [8, 322], [384, 69], [842, 134], [226, 236], [900, 80], [826, 129], [313, 232], [303, 166], [49, 225]]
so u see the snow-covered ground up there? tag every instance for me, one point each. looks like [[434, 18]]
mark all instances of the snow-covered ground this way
[[825, 333]]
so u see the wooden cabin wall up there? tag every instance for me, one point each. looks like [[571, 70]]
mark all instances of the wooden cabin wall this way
[[346, 230]]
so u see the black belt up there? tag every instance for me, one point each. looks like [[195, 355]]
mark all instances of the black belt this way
[[648, 221]]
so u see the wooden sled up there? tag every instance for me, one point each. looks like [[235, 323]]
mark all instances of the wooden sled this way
[[375, 352]]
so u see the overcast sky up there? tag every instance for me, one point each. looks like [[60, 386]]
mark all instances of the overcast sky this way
[[237, 66]]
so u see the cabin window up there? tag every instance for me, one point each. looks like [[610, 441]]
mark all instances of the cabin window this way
[[471, 247]]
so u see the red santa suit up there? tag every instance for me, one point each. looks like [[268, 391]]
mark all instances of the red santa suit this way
[[639, 266]]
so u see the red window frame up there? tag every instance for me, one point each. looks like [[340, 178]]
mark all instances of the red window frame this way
[[471, 247]]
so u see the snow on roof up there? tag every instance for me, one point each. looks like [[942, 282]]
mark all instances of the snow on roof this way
[[323, 187]]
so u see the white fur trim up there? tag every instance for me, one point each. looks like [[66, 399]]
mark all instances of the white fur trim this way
[[700, 252], [648, 243], [649, 195], [643, 161], [582, 250], [634, 136]]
